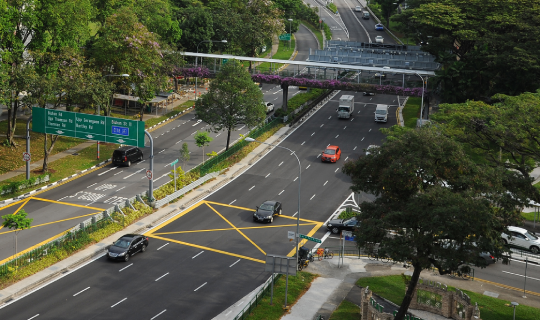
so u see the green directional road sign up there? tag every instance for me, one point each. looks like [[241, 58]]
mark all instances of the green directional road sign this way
[[224, 61], [88, 126], [303, 236], [174, 162], [285, 36]]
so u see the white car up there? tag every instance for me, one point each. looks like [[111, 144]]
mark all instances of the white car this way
[[520, 237], [269, 107], [379, 39], [358, 9], [371, 148]]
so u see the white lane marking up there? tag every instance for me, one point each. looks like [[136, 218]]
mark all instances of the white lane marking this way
[[279, 165], [308, 166], [354, 148], [251, 188], [359, 110], [328, 145], [318, 156], [142, 161], [198, 254], [161, 151], [234, 263], [173, 128], [232, 202], [292, 153], [345, 128], [363, 139], [118, 302], [37, 315], [313, 196], [295, 179], [336, 170], [120, 188], [303, 143], [364, 106], [104, 172], [242, 127], [202, 285], [394, 100], [325, 183], [337, 136], [162, 276], [370, 99], [162, 133], [218, 134], [91, 185], [346, 158], [157, 315], [267, 175], [156, 137], [89, 203], [352, 119], [329, 117], [83, 290], [134, 173], [124, 268], [280, 192], [196, 123], [312, 134], [143, 177], [177, 142], [166, 174], [369, 130], [295, 213], [163, 246], [119, 172], [322, 125], [168, 131], [520, 275]]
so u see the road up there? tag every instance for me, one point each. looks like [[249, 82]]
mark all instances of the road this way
[[210, 256]]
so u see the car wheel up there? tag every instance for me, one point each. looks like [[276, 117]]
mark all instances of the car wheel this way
[[279, 213], [143, 248], [271, 219], [335, 230], [535, 250], [128, 164], [126, 257]]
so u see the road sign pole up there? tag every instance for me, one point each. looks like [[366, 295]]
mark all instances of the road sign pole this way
[[174, 177], [28, 146], [97, 150], [151, 181]]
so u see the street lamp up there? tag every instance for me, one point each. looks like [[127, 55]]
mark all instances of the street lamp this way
[[514, 304], [422, 105], [196, 59], [290, 34], [299, 188], [112, 100]]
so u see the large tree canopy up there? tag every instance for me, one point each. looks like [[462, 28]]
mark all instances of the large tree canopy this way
[[434, 205]]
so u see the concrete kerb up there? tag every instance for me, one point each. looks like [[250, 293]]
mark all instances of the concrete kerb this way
[[316, 39], [401, 121]]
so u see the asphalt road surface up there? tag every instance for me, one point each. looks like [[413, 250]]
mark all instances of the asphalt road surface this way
[[211, 255]]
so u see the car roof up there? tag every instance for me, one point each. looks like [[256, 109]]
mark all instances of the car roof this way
[[272, 202], [332, 147], [518, 229], [125, 148]]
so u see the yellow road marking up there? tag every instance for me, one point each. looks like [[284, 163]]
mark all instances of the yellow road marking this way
[[303, 241], [207, 248], [227, 229], [232, 225], [228, 205], [301, 219], [20, 207], [47, 223], [34, 246], [195, 206], [69, 204], [508, 287], [12, 204]]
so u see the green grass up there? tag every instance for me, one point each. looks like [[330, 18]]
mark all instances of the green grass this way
[[283, 53], [411, 112], [346, 311], [347, 215], [530, 216], [393, 289], [297, 286], [316, 31], [182, 107], [332, 7]]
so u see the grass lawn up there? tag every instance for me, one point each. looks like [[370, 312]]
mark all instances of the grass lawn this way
[[297, 286], [316, 31], [393, 289], [346, 311], [411, 112], [283, 53]]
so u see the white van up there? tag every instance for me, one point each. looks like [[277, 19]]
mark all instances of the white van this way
[[381, 113]]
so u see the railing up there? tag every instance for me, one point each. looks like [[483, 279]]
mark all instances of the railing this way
[[254, 302], [185, 189]]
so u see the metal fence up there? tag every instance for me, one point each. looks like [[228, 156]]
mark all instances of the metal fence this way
[[185, 189], [254, 302]]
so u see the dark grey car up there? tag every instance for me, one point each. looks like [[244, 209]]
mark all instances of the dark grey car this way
[[127, 246], [266, 211]]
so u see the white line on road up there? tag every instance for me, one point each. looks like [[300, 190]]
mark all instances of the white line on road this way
[[37, 315], [279, 165], [354, 148], [161, 151], [162, 276], [142, 161], [134, 173], [336, 170], [251, 188], [281, 192], [394, 100], [89, 203], [120, 188], [369, 130], [242, 127], [322, 125], [124, 268], [337, 136], [162, 133], [295, 213], [318, 156], [196, 123], [267, 175], [308, 166], [104, 172], [352, 119], [359, 110], [177, 142], [329, 117], [520, 275], [198, 254], [234, 263], [156, 137], [345, 128], [232, 202], [313, 196], [118, 302], [143, 177], [363, 139], [325, 183], [168, 131], [119, 172], [303, 143], [370, 99], [218, 134], [157, 315], [328, 145], [202, 285], [312, 134], [91, 185], [163, 246], [346, 158], [83, 290], [295, 179]]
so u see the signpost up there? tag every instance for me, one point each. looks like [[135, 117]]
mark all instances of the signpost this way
[[285, 37], [149, 174], [280, 264], [290, 235], [173, 164], [26, 156], [88, 126], [309, 238]]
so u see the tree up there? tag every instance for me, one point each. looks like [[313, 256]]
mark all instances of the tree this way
[[197, 25], [202, 139], [442, 208], [388, 7], [232, 99], [184, 154], [17, 222]]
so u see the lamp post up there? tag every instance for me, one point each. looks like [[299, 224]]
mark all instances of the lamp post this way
[[196, 59], [514, 304], [422, 105], [112, 100], [299, 188], [290, 34]]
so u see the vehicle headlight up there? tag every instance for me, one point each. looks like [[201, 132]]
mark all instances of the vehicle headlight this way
[[122, 254], [329, 225]]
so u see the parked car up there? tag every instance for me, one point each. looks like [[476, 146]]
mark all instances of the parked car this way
[[331, 154], [379, 39], [337, 225], [522, 238], [368, 93], [269, 107], [127, 246], [379, 27], [126, 155], [267, 210]]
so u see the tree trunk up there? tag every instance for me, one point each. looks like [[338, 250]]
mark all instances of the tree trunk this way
[[12, 119], [228, 139], [203, 154], [47, 151], [408, 296], [142, 112]]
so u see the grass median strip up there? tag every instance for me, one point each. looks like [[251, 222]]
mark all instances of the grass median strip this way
[[283, 53], [411, 112], [346, 311]]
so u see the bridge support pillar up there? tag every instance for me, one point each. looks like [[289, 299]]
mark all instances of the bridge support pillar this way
[[285, 88]]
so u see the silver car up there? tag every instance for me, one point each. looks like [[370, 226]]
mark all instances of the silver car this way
[[522, 238]]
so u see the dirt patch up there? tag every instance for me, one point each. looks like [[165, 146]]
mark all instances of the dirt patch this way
[[40, 171]]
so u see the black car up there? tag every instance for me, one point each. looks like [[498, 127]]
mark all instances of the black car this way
[[368, 93], [337, 225], [127, 246], [266, 211], [485, 259], [126, 155]]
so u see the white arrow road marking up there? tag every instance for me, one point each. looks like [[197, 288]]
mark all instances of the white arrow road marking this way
[[106, 172]]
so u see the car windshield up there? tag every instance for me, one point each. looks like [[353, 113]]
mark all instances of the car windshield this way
[[343, 109], [380, 111], [122, 243], [329, 151], [531, 236], [267, 207]]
